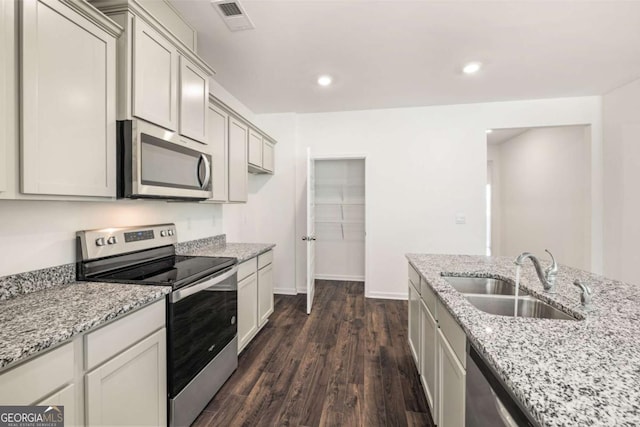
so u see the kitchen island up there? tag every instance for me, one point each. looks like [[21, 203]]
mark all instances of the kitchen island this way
[[562, 372]]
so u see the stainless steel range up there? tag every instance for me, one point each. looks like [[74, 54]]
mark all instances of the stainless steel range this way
[[201, 309]]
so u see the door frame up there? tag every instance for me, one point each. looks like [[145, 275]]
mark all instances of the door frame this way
[[367, 248]]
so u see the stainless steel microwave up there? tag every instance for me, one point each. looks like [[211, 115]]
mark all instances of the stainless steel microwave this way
[[153, 163]]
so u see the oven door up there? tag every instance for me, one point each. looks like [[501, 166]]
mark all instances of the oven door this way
[[154, 163], [202, 321]]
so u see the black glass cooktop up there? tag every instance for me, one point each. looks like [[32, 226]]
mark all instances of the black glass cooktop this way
[[175, 271]]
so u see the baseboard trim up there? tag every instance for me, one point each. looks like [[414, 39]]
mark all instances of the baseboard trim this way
[[387, 295], [285, 291], [340, 278]]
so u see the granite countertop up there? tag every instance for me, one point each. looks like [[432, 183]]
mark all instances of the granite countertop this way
[[32, 322], [242, 251], [584, 372]]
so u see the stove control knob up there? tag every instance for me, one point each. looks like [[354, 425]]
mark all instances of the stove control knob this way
[[170, 232], [163, 233], [112, 240], [100, 241]]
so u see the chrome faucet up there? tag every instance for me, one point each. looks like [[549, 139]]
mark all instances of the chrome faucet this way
[[585, 295], [548, 276]]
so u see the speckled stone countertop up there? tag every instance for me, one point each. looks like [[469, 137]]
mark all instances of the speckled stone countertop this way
[[213, 247], [32, 322], [566, 373]]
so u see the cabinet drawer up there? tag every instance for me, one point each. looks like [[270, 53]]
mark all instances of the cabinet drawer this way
[[429, 297], [112, 339], [453, 333], [37, 378], [414, 277], [247, 268], [265, 259]]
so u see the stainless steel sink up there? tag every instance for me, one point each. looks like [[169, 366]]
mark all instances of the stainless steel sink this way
[[503, 305], [483, 285]]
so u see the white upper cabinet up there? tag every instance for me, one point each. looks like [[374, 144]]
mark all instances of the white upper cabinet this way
[[238, 138], [255, 148], [219, 149], [5, 52], [194, 101], [155, 77], [268, 154], [261, 153], [68, 100], [160, 78]]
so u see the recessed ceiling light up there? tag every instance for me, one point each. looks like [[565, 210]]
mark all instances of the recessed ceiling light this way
[[489, 130], [472, 68], [324, 80]]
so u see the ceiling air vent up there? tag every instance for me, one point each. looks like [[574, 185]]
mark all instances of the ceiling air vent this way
[[233, 14]]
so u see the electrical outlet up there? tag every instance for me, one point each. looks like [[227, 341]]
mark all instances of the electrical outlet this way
[[461, 218]]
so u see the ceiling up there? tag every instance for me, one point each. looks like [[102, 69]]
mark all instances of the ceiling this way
[[396, 53]]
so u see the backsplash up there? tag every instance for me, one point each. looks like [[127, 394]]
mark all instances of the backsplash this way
[[32, 281], [38, 280]]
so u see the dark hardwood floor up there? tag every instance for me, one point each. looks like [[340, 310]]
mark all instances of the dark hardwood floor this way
[[346, 364]]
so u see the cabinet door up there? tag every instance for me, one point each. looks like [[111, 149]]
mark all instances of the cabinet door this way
[[219, 149], [414, 324], [428, 353], [155, 77], [6, 40], [194, 100], [238, 138], [451, 386], [255, 148], [131, 388], [265, 294], [268, 154], [247, 310], [67, 398], [68, 103]]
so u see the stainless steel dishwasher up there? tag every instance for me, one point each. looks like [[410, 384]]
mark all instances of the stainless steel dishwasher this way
[[488, 402]]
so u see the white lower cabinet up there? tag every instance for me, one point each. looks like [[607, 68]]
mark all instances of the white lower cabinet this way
[[255, 296], [67, 398], [428, 356], [127, 387], [451, 386], [414, 323], [130, 389], [265, 294], [438, 344], [247, 310]]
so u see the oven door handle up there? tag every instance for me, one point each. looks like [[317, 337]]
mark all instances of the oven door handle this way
[[200, 286]]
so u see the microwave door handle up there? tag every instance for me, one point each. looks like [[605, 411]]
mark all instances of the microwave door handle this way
[[207, 171]]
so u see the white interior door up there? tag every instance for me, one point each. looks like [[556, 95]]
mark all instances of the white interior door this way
[[311, 229]]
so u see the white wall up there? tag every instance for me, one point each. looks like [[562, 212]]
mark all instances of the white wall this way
[[269, 214], [425, 165], [40, 234], [621, 124], [543, 196]]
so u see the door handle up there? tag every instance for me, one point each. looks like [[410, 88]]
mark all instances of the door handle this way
[[305, 238], [308, 238], [204, 182]]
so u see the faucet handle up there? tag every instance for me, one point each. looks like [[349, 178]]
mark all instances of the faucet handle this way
[[551, 271], [585, 295]]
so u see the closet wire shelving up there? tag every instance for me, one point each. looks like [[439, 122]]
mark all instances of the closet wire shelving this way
[[340, 207]]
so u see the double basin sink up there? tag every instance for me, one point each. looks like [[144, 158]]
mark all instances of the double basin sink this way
[[495, 296]]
